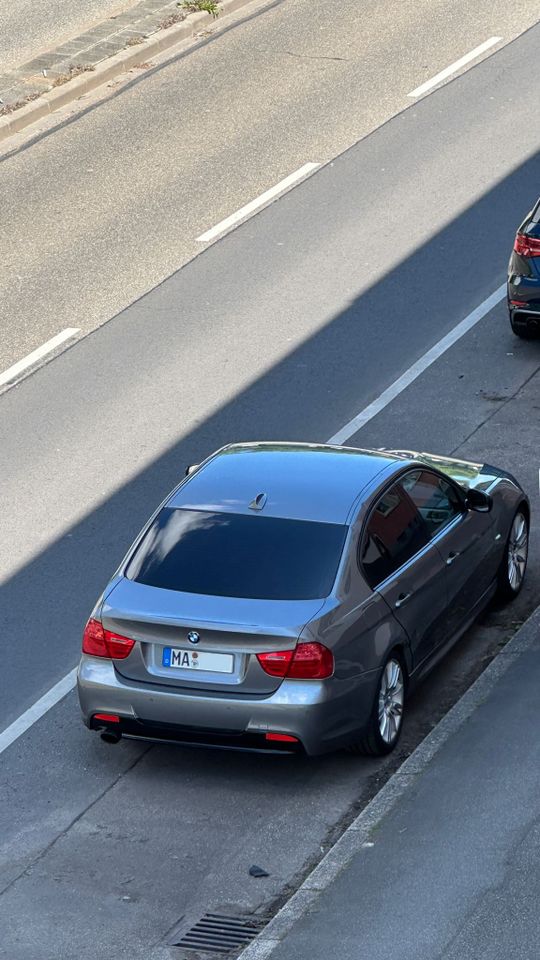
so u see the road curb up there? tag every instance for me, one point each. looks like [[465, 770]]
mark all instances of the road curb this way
[[358, 833], [132, 56]]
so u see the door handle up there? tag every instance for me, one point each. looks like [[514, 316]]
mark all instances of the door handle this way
[[403, 597], [451, 557]]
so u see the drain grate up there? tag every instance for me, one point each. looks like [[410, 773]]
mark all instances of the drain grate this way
[[215, 933]]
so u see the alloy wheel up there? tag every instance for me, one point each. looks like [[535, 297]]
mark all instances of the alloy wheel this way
[[391, 697], [518, 546]]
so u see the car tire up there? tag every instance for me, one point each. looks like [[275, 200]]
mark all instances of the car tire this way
[[513, 566], [386, 720]]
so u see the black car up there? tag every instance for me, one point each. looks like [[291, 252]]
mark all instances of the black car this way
[[524, 277]]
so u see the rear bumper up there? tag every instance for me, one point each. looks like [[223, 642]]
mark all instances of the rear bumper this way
[[526, 313], [525, 318], [322, 715]]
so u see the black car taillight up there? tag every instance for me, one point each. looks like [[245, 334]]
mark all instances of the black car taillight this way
[[527, 246]]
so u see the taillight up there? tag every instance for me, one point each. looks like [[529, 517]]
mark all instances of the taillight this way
[[99, 642], [281, 738], [308, 661], [527, 246], [276, 663]]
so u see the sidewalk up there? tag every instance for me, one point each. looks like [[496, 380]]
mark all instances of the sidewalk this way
[[445, 862]]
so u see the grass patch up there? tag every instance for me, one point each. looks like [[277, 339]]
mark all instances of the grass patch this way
[[197, 6], [74, 71]]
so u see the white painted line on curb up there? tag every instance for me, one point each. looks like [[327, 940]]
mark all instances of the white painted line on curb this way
[[60, 689], [410, 375], [12, 373], [37, 710], [454, 67], [225, 225]]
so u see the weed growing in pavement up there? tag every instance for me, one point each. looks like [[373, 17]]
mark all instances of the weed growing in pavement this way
[[134, 41], [74, 71], [11, 107], [208, 6], [172, 19]]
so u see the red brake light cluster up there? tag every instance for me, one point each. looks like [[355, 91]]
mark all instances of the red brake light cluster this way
[[99, 642], [527, 246], [281, 738], [308, 661]]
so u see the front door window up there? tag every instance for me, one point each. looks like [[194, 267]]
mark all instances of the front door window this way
[[436, 500]]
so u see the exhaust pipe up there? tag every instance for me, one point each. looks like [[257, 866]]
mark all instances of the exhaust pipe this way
[[111, 736]]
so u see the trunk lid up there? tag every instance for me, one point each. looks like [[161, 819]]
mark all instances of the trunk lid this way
[[160, 621]]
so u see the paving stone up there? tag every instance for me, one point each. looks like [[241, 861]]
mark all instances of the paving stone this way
[[127, 35], [151, 24], [39, 64], [103, 30], [87, 38], [62, 68], [124, 18], [86, 58], [69, 49], [106, 49]]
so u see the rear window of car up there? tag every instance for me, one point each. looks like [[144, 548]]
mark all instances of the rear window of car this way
[[234, 555]]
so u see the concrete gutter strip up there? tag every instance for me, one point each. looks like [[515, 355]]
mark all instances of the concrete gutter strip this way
[[108, 69], [358, 833]]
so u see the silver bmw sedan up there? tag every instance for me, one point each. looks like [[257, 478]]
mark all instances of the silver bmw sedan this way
[[287, 596]]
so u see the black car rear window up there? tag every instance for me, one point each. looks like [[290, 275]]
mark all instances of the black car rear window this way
[[233, 555]]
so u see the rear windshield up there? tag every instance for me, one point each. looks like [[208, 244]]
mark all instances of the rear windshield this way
[[233, 555]]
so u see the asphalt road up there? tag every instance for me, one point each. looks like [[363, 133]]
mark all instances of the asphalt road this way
[[98, 211], [285, 328]]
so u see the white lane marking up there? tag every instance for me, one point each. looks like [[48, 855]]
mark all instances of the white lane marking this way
[[225, 225], [454, 67], [12, 373], [63, 687], [410, 375], [37, 710]]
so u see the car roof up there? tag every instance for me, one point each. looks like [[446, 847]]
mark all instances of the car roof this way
[[298, 481]]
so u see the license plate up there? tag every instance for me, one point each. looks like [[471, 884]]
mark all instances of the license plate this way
[[197, 660]]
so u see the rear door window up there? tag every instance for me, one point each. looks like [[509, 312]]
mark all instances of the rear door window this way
[[394, 533]]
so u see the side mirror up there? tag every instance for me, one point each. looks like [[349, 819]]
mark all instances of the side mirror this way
[[192, 469], [479, 501]]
